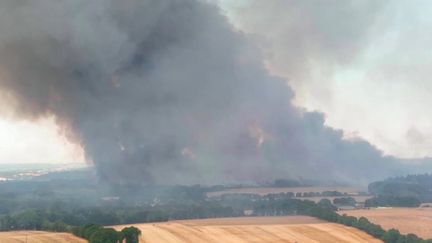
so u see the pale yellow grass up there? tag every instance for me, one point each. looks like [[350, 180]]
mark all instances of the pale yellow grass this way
[[407, 220], [38, 237], [246, 230]]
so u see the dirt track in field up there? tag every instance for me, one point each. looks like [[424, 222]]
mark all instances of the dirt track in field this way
[[245, 230]]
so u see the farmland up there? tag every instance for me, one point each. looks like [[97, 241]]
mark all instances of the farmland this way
[[407, 220], [251, 229], [38, 237]]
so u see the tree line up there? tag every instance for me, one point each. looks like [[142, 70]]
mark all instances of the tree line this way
[[59, 219], [392, 201]]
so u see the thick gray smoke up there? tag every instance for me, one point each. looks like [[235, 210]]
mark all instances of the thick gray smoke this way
[[166, 91], [307, 40]]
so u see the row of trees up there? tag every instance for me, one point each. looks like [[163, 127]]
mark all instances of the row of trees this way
[[33, 220], [392, 201], [58, 221], [312, 194]]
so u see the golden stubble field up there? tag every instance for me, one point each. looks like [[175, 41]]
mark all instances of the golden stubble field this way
[[289, 229], [38, 237], [406, 220]]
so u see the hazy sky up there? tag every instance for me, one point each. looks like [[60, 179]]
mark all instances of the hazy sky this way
[[379, 89], [35, 142]]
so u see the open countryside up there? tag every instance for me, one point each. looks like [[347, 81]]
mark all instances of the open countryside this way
[[288, 229]]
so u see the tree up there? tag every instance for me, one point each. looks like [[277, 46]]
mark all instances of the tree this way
[[348, 220], [344, 201], [325, 203], [391, 236], [8, 223], [131, 234], [412, 238], [29, 219], [89, 230], [60, 226], [105, 235]]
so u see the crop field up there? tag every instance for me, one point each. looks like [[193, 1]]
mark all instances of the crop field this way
[[287, 229], [38, 237], [274, 190], [407, 220]]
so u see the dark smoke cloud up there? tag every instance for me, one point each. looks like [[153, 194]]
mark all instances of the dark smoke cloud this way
[[166, 91]]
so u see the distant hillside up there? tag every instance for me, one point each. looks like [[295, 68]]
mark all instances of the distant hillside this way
[[415, 186]]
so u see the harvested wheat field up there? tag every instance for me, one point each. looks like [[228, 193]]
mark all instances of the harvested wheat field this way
[[254, 229], [407, 220], [38, 237]]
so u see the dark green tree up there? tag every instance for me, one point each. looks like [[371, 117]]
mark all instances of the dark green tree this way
[[29, 219], [412, 238], [391, 236], [325, 203], [131, 234], [89, 230], [105, 235]]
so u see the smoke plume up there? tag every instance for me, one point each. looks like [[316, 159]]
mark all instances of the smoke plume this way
[[306, 41], [166, 91]]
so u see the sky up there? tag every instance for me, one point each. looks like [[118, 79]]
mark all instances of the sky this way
[[36, 142], [369, 75]]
